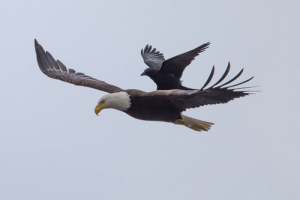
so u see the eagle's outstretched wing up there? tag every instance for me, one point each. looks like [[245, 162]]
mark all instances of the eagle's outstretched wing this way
[[215, 94], [57, 70]]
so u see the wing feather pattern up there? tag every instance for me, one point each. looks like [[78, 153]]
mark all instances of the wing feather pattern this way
[[186, 99], [57, 70], [152, 58], [177, 64]]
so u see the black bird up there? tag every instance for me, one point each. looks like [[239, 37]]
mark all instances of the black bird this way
[[167, 73]]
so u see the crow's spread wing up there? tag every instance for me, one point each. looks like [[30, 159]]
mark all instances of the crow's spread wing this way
[[177, 64], [152, 58]]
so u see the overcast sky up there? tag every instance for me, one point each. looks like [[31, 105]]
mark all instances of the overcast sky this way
[[53, 146]]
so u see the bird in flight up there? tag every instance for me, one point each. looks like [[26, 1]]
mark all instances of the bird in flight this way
[[167, 73], [160, 105]]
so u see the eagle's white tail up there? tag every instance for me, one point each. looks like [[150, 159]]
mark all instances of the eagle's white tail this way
[[194, 124]]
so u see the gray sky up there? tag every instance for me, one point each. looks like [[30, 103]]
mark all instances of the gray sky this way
[[53, 146]]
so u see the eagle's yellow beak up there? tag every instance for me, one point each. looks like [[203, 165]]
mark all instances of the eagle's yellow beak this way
[[99, 107]]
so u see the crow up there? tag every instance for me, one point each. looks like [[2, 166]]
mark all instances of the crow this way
[[167, 73]]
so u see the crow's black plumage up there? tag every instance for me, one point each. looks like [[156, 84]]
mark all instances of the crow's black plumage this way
[[167, 73]]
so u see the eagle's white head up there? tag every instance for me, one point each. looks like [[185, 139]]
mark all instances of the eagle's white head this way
[[118, 100]]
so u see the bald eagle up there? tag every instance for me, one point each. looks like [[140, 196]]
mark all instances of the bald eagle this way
[[167, 73], [160, 105]]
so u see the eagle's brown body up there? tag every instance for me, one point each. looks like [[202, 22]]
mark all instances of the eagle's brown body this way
[[148, 107]]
